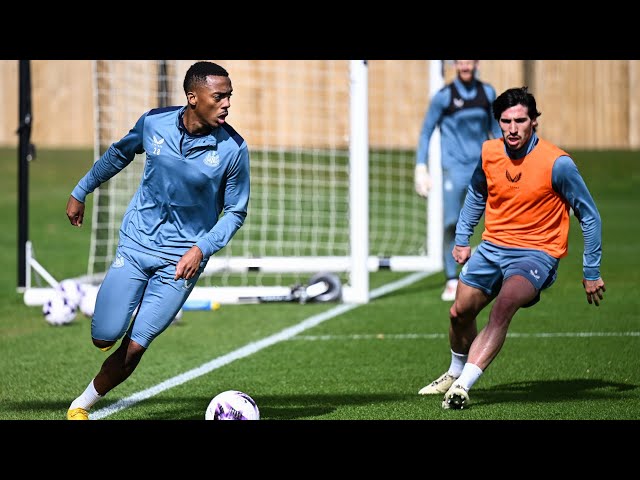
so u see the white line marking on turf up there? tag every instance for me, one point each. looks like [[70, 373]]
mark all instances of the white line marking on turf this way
[[283, 335], [248, 349], [216, 363], [413, 336]]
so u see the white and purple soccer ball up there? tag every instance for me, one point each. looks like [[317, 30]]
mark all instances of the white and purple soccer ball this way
[[57, 310], [72, 290], [88, 301], [232, 405]]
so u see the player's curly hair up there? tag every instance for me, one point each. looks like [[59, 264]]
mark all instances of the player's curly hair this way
[[198, 73], [512, 97]]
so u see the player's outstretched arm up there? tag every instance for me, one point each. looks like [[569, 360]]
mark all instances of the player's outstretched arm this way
[[594, 290]]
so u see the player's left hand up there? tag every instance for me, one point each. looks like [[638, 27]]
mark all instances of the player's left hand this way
[[594, 290], [188, 265]]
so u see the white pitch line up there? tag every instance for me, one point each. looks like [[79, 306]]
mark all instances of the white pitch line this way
[[216, 363], [414, 336], [291, 332], [248, 349]]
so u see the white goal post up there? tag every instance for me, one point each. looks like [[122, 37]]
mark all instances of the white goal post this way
[[332, 146]]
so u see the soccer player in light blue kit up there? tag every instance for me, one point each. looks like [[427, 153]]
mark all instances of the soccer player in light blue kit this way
[[196, 168], [462, 110]]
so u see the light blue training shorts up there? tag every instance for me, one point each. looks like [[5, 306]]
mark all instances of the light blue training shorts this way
[[490, 265], [138, 278]]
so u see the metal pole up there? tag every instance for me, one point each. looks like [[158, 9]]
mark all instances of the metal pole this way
[[25, 154]]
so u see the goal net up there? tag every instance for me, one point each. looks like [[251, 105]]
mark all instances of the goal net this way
[[332, 147]]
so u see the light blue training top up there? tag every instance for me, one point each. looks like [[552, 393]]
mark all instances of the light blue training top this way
[[187, 182], [461, 132]]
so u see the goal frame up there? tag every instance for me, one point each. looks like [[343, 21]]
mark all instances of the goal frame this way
[[359, 264]]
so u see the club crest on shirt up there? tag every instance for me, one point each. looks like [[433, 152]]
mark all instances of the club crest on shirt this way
[[212, 159], [157, 144]]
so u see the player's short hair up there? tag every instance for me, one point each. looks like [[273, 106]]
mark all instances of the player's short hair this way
[[198, 73], [512, 97]]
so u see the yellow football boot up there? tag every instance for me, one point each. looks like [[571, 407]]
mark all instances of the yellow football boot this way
[[77, 414]]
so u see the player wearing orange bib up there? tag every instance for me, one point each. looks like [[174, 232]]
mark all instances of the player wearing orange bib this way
[[525, 188], [523, 209]]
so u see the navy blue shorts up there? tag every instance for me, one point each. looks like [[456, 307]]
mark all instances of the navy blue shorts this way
[[490, 265]]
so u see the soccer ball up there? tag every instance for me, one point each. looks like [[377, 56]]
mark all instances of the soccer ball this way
[[88, 301], [57, 310], [232, 405], [71, 290]]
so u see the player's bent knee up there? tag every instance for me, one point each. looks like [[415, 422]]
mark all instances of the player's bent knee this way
[[103, 345]]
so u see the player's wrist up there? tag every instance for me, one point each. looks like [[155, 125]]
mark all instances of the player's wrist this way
[[590, 273]]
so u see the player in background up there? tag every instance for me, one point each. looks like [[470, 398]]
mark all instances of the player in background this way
[[525, 186], [462, 110], [196, 168]]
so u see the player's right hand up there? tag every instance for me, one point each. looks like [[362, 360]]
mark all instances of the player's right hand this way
[[422, 180], [461, 254], [75, 211]]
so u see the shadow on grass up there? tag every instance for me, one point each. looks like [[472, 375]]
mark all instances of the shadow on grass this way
[[309, 406], [551, 391], [279, 407]]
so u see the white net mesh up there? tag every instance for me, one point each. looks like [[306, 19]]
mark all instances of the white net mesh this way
[[295, 117]]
